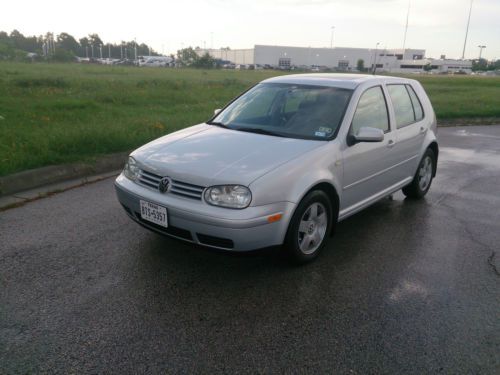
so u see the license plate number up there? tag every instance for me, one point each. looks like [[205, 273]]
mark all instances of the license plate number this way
[[154, 213]]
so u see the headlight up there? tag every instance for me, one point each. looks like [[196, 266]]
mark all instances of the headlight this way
[[131, 170], [232, 196]]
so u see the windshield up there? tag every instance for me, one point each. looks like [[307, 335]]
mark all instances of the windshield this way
[[287, 110]]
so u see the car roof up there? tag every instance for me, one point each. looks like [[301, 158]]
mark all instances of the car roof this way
[[346, 81]]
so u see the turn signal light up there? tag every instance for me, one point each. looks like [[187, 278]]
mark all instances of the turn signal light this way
[[274, 218]]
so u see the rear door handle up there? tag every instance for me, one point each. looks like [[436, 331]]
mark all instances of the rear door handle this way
[[390, 143], [422, 129]]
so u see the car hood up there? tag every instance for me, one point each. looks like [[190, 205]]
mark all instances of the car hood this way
[[209, 155]]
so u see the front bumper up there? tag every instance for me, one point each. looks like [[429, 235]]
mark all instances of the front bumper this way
[[198, 222]]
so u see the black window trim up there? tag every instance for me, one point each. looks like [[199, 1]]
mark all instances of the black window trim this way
[[412, 104], [389, 123]]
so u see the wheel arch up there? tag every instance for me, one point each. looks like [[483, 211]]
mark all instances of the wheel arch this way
[[435, 149], [331, 192]]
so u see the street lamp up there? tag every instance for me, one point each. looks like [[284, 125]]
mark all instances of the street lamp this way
[[331, 38], [481, 51]]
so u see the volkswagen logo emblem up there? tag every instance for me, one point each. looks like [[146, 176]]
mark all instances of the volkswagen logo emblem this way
[[165, 184]]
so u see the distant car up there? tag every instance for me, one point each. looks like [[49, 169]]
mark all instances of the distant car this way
[[155, 61], [284, 162]]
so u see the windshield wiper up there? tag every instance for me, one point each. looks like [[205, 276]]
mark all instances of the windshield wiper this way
[[220, 124], [259, 131]]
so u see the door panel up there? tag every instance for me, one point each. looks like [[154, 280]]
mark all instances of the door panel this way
[[410, 130], [369, 167]]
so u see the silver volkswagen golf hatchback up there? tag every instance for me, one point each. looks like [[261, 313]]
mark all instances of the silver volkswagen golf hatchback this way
[[284, 162]]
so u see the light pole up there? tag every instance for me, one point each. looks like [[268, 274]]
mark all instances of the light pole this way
[[331, 37], [109, 51], [92, 48], [481, 51], [467, 30], [100, 50], [121, 51]]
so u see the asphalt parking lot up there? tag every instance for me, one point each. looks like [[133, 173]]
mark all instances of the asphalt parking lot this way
[[403, 287]]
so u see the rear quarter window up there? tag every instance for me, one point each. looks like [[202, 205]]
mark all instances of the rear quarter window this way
[[417, 106]]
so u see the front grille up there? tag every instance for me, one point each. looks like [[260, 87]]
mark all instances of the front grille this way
[[180, 188]]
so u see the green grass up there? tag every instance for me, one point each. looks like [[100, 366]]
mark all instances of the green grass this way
[[59, 113]]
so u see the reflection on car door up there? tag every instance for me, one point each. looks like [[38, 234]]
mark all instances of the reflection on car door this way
[[410, 127], [368, 167]]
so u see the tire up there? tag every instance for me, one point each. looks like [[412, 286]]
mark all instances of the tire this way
[[310, 227], [423, 177]]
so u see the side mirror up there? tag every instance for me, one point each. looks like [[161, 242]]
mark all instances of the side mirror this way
[[366, 134], [216, 111]]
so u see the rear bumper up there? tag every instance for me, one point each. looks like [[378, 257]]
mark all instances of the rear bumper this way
[[200, 223]]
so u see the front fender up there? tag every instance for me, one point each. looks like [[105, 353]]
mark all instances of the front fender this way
[[292, 180]]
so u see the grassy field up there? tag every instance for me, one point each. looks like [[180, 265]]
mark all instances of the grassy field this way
[[51, 114]]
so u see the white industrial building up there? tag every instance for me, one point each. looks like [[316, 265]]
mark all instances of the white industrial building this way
[[339, 58]]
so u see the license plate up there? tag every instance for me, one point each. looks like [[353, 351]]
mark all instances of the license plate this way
[[154, 213]]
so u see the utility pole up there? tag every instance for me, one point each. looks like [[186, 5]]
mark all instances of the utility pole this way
[[331, 37], [467, 30]]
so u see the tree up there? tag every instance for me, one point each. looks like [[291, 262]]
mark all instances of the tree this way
[[17, 39], [187, 56], [95, 40], [68, 43], [479, 65], [206, 61], [361, 65], [62, 55]]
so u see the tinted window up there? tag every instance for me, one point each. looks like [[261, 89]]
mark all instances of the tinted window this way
[[371, 111], [417, 106], [403, 108]]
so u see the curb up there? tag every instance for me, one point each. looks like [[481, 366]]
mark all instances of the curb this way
[[34, 178]]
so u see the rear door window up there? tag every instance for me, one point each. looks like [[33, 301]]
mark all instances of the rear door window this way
[[403, 107]]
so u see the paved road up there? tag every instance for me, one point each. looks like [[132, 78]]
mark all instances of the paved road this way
[[404, 287]]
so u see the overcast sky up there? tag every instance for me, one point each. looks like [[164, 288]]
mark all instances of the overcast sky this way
[[435, 25]]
